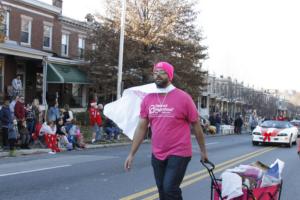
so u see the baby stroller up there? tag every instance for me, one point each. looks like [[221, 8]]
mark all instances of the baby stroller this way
[[262, 193]]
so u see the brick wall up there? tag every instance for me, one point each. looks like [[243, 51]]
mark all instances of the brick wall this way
[[37, 29]]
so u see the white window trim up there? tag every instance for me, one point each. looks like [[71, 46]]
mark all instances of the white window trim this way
[[83, 45], [51, 34], [29, 29], [47, 23], [67, 29], [7, 24], [83, 41], [68, 42], [94, 46]]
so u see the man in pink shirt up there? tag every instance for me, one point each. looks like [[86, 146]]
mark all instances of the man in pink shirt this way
[[170, 113]]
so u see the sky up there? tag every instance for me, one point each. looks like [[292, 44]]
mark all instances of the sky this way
[[256, 42]]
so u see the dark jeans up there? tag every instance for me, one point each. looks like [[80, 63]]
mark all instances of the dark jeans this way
[[238, 130], [30, 126], [5, 136], [112, 131], [168, 175]]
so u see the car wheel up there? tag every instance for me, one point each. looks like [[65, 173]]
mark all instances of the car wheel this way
[[254, 143], [290, 144]]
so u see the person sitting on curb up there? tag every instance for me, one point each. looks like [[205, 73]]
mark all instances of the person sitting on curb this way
[[112, 130], [62, 135], [75, 136], [48, 130]]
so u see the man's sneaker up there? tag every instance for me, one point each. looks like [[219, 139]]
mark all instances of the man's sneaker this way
[[93, 141], [52, 152]]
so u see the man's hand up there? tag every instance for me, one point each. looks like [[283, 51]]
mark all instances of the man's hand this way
[[204, 157], [128, 162]]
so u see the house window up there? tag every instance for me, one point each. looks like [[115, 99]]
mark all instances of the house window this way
[[65, 44], [4, 27], [94, 46], [47, 40], [26, 23], [81, 44]]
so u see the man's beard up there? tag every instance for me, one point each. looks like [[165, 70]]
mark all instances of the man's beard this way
[[162, 83]]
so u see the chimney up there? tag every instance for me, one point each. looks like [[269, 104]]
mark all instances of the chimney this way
[[57, 3]]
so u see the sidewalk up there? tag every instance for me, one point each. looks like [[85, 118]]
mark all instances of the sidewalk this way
[[32, 151]]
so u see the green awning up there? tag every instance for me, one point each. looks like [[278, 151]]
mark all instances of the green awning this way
[[58, 73]]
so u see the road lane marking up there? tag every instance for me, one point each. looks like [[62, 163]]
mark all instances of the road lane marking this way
[[210, 143], [203, 176], [202, 172], [34, 170]]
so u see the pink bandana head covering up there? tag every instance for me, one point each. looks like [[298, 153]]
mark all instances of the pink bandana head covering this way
[[167, 67]]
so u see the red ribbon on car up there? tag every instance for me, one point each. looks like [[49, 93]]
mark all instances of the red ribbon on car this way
[[267, 136]]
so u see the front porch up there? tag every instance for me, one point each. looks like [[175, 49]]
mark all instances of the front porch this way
[[43, 77]]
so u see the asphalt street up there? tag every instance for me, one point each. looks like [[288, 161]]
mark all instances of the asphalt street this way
[[98, 174]]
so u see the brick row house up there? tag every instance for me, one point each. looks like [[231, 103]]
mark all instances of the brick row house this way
[[46, 49]]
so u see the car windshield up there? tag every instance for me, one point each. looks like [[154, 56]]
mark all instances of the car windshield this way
[[275, 124], [295, 123]]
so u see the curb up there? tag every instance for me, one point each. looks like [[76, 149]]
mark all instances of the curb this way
[[22, 152]]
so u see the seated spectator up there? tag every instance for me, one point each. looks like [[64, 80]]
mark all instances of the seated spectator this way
[[24, 136], [74, 135], [62, 135], [48, 130], [112, 130]]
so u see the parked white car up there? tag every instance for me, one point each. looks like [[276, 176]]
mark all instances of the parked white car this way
[[271, 131]]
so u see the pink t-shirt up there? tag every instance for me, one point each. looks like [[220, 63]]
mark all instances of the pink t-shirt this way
[[170, 117]]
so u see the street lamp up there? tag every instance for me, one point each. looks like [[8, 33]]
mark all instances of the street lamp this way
[[121, 49]]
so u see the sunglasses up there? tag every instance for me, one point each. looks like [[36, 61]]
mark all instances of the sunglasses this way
[[159, 72]]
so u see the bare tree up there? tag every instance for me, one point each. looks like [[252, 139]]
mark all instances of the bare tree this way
[[155, 30]]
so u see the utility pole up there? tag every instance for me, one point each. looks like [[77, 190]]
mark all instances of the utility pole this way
[[121, 50]]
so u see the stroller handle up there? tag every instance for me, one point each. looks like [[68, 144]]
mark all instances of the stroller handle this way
[[208, 165]]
